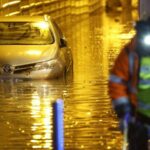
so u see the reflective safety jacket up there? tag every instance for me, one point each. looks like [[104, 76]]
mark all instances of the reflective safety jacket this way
[[130, 79], [143, 94]]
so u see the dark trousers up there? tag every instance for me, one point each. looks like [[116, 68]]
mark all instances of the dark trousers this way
[[138, 137]]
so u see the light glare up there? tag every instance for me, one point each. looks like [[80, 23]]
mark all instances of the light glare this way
[[33, 52], [147, 40], [42, 25]]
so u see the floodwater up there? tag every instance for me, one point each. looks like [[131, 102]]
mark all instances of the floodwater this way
[[90, 124]]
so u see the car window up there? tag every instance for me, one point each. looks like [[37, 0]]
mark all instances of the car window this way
[[25, 33]]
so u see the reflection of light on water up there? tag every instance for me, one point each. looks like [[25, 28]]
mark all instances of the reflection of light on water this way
[[89, 114], [41, 112]]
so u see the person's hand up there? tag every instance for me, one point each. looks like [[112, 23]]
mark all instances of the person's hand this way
[[125, 113], [125, 121], [122, 110]]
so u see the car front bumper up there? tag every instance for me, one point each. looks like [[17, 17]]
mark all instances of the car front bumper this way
[[44, 70]]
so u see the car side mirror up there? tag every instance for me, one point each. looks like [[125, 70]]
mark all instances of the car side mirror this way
[[63, 42]]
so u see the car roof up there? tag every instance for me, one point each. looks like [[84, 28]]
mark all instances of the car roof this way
[[22, 18]]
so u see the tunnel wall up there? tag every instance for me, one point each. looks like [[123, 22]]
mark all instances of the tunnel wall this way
[[60, 10], [56, 8]]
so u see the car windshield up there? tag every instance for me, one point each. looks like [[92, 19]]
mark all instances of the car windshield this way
[[25, 33]]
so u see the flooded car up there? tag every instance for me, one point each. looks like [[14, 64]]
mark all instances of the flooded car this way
[[32, 47]]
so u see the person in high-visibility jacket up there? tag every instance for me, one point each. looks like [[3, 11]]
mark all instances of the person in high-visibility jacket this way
[[129, 86]]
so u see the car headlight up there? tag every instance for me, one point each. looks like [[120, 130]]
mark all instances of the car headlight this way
[[46, 65]]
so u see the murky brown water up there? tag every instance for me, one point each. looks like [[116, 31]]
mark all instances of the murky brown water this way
[[90, 124]]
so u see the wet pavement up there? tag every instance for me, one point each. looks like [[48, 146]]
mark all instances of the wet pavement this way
[[90, 124]]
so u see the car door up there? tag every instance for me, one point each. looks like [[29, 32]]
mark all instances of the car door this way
[[64, 47]]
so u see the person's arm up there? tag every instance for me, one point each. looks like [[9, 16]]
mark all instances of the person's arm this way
[[118, 81]]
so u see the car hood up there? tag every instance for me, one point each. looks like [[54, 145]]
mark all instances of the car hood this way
[[26, 54]]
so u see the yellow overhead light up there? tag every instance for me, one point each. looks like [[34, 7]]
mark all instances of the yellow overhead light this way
[[11, 3], [13, 13]]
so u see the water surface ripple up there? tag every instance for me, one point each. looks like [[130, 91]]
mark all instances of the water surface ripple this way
[[90, 124]]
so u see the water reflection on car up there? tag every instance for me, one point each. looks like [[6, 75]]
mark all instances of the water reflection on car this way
[[32, 47]]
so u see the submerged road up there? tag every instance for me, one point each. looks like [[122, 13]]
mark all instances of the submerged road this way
[[90, 123]]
